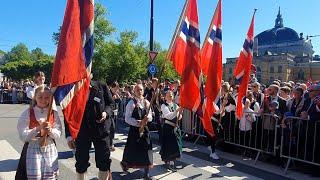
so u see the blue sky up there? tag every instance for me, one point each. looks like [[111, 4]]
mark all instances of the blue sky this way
[[33, 22]]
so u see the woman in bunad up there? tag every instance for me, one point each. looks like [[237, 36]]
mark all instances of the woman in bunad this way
[[171, 146], [34, 129], [138, 149]]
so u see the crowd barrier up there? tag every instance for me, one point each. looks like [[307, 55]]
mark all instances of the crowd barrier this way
[[13, 97], [296, 140], [300, 141], [259, 132]]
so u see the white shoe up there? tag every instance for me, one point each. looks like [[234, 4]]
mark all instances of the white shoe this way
[[214, 156], [81, 176]]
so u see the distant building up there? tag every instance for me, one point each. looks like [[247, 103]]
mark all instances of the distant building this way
[[280, 53]]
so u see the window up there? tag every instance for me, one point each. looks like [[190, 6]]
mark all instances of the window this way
[[279, 69], [230, 70], [271, 69], [301, 75]]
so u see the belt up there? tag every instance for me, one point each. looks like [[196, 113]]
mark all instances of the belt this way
[[170, 123]]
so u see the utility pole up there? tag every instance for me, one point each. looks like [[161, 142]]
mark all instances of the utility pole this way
[[151, 27]]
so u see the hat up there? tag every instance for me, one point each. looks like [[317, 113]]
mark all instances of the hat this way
[[314, 87]]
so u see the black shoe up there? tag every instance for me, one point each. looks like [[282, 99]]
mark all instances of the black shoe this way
[[172, 168]]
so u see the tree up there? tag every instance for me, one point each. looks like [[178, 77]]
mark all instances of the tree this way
[[37, 54], [19, 52], [102, 27]]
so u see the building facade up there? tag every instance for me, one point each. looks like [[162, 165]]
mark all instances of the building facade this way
[[280, 53]]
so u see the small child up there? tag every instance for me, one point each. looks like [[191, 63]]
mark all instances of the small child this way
[[41, 162], [245, 124]]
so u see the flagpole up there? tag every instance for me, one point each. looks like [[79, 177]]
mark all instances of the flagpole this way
[[212, 21], [156, 94], [178, 25], [43, 139]]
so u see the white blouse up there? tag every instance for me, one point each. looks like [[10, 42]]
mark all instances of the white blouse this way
[[130, 107], [166, 113], [26, 134]]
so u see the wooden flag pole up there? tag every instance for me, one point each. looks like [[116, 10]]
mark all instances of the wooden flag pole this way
[[156, 94], [43, 139]]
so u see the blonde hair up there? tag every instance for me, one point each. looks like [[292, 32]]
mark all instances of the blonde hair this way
[[38, 90]]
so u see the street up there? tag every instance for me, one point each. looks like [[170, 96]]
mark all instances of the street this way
[[194, 164]]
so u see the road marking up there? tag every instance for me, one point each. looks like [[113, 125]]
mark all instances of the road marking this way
[[207, 166], [9, 159], [117, 154]]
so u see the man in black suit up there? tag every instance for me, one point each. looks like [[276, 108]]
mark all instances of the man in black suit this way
[[95, 128]]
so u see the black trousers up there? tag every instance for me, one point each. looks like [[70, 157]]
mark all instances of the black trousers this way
[[101, 144]]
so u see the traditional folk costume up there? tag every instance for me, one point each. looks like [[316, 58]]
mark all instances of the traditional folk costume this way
[[41, 162], [171, 145], [138, 149]]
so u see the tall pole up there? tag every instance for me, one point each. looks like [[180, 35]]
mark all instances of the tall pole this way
[[151, 27]]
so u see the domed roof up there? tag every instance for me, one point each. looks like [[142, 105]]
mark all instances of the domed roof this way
[[278, 34]]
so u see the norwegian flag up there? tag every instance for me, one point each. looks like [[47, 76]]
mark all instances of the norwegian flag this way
[[243, 68], [211, 64], [72, 67], [184, 52]]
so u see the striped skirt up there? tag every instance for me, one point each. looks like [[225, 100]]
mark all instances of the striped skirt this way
[[42, 162]]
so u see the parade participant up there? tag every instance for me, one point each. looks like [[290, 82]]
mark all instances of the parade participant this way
[[114, 89], [41, 162], [171, 144], [39, 79], [95, 128], [138, 149]]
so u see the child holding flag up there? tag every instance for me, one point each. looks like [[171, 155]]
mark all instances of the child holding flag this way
[[41, 161]]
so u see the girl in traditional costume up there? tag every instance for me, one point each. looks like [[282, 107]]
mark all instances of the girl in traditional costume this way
[[41, 158]]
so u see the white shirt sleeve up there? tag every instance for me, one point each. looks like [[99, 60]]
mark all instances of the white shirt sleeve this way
[[30, 92], [128, 119], [25, 133], [57, 127], [256, 107], [166, 113]]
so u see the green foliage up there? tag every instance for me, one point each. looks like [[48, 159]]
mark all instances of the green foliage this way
[[18, 67], [2, 52], [102, 26], [123, 59], [19, 52]]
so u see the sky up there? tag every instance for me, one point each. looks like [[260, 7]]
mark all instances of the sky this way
[[33, 22]]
